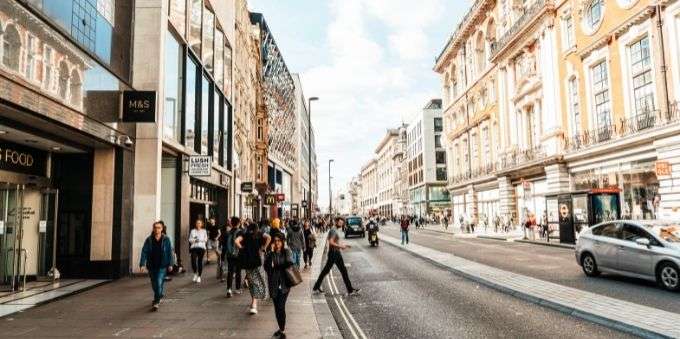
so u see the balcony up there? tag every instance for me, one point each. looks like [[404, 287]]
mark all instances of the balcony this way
[[517, 158], [624, 128], [479, 172], [528, 16]]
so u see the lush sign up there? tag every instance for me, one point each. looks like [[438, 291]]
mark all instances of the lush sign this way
[[22, 159], [200, 165]]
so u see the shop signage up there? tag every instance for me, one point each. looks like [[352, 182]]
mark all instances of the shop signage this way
[[280, 197], [270, 199], [22, 159], [139, 106], [42, 226], [304, 203], [663, 168], [200, 165], [247, 187]]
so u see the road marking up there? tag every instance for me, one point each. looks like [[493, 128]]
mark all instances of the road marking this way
[[362, 335], [340, 310], [119, 333]]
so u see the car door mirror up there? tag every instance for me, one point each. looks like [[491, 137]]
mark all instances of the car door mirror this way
[[643, 242]]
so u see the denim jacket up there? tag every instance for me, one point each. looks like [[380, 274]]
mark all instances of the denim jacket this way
[[166, 247]]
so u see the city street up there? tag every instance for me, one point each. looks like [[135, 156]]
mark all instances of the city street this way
[[406, 297]]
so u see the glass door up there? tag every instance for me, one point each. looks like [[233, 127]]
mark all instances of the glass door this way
[[11, 229], [47, 230]]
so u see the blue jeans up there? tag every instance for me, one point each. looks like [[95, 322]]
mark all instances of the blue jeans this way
[[404, 236], [157, 277], [297, 255]]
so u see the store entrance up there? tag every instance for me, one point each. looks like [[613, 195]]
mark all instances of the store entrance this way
[[27, 226]]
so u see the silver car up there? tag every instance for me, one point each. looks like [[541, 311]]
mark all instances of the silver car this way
[[641, 249]]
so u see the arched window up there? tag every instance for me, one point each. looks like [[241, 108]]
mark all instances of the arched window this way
[[454, 82], [63, 79], [76, 89], [491, 34], [594, 14], [480, 52], [11, 48]]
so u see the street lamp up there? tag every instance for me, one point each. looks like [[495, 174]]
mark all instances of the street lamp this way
[[330, 192], [309, 162]]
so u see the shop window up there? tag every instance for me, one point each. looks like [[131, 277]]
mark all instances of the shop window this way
[[63, 79], [178, 15], [208, 38], [76, 89], [227, 135], [190, 112], [11, 45], [172, 113], [641, 69], [195, 25]]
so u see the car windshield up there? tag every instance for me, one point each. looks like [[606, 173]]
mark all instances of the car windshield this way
[[353, 221], [669, 233]]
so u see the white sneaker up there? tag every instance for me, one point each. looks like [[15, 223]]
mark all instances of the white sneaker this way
[[198, 280], [229, 293], [253, 310], [195, 277]]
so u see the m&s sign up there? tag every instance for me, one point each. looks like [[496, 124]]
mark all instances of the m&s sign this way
[[139, 106]]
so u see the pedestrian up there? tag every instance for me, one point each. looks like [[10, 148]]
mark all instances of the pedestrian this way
[[404, 230], [446, 223], [310, 244], [157, 258], [198, 239], [251, 243], [295, 237], [335, 258], [276, 227], [230, 252], [277, 261], [213, 243]]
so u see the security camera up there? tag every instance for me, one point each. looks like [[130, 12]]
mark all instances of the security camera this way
[[127, 141]]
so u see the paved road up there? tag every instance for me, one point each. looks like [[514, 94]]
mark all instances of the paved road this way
[[552, 264], [406, 297]]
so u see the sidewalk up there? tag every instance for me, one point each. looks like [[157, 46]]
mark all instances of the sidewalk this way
[[618, 314], [38, 293], [122, 309]]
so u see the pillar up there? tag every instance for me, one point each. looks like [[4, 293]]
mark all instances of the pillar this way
[[668, 150], [557, 177], [101, 236], [506, 194]]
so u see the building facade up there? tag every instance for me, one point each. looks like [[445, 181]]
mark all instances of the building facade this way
[[386, 173], [306, 154], [426, 162], [547, 103], [369, 188]]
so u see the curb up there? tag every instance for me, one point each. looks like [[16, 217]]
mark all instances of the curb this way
[[549, 244], [493, 237], [328, 327], [613, 324]]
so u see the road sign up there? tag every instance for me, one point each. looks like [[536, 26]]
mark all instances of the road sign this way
[[270, 199], [200, 165], [247, 187]]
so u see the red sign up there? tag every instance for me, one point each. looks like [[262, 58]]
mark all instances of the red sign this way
[[663, 168], [280, 197]]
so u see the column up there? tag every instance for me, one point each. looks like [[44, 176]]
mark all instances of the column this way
[[668, 150], [506, 194], [103, 175], [557, 178], [148, 45]]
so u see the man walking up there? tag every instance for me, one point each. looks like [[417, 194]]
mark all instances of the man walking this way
[[296, 241], [335, 258], [157, 258], [404, 230]]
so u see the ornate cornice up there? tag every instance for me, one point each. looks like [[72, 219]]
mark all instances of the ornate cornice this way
[[617, 31]]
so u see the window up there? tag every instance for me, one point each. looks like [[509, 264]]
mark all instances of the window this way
[[215, 134], [474, 150], [574, 106], [208, 38], [206, 90], [63, 79], [49, 68], [641, 68], [441, 173], [633, 233], [191, 104], [30, 57], [601, 94], [437, 141], [227, 70], [607, 230], [485, 147], [178, 15], [440, 157], [106, 9], [195, 25], [83, 23], [438, 125], [76, 89], [172, 112], [227, 136], [568, 35], [11, 47], [219, 58], [594, 14]]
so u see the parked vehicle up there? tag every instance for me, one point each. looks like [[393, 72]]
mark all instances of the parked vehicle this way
[[647, 250], [354, 226]]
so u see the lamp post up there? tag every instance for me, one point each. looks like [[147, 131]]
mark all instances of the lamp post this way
[[309, 162], [330, 192]]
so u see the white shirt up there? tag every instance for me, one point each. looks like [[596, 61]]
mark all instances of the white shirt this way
[[198, 238]]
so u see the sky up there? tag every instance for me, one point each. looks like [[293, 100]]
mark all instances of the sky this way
[[369, 62]]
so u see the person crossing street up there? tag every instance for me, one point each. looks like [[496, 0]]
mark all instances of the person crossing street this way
[[335, 258]]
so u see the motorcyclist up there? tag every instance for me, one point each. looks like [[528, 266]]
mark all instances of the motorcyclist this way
[[371, 227]]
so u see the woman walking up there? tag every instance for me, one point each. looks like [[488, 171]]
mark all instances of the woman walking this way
[[198, 238], [296, 241], [157, 258], [275, 264], [310, 243], [250, 245]]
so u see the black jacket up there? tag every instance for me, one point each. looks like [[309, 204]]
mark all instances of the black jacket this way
[[275, 264]]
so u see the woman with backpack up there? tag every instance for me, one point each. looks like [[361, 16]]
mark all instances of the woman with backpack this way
[[198, 238], [250, 245], [276, 262], [310, 243], [230, 251]]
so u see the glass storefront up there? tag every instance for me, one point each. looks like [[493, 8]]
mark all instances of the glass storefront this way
[[638, 184], [488, 205], [531, 199]]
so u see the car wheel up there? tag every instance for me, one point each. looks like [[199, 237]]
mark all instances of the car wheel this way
[[668, 276], [589, 265]]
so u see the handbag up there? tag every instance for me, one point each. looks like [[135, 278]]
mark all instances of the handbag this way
[[293, 276]]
